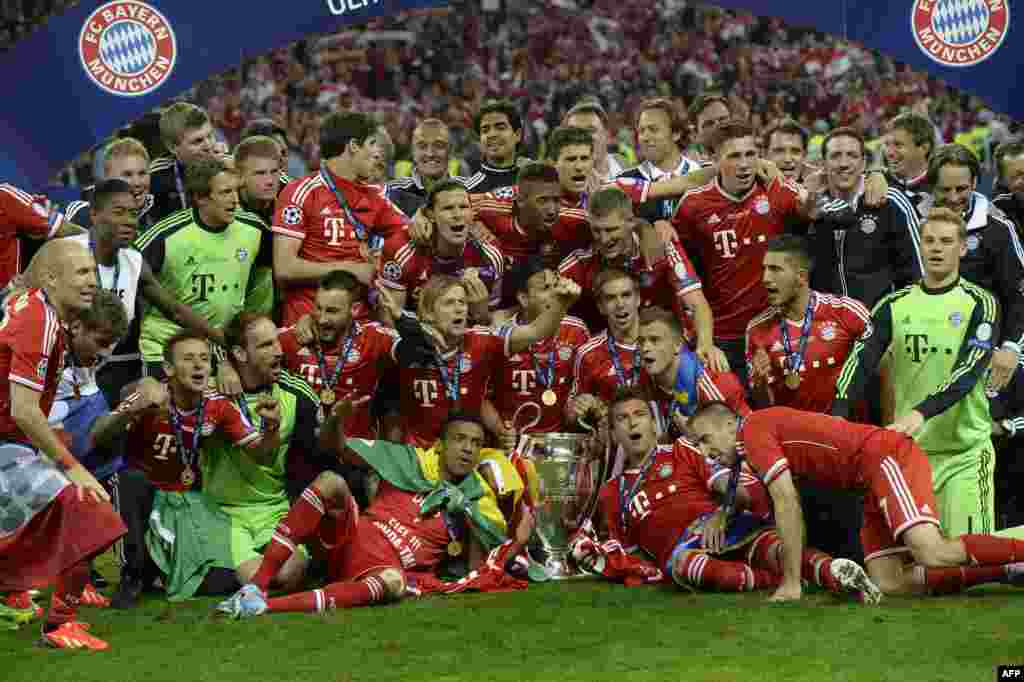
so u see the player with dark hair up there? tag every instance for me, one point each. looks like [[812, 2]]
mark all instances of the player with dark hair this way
[[588, 114], [332, 220], [431, 504], [431, 165], [500, 128], [1010, 164], [709, 112], [785, 144], [781, 444], [124, 158], [674, 504], [909, 142], [994, 258]]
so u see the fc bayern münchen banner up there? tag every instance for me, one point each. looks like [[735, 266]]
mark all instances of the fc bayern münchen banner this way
[[103, 64]]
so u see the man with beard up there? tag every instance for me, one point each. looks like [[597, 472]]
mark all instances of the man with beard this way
[[164, 425], [406, 265], [785, 144], [667, 503], [431, 159], [1010, 162], [125, 159], [466, 357], [862, 251], [56, 517], [994, 258], [258, 164], [500, 129]]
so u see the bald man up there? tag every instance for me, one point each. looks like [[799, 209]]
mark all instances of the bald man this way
[[57, 516]]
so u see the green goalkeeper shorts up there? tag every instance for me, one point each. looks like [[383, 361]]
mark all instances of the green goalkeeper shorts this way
[[964, 490]]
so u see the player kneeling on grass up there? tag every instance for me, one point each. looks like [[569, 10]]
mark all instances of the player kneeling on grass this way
[[780, 444], [666, 502], [431, 504]]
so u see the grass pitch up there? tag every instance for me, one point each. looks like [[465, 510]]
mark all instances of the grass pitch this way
[[576, 631]]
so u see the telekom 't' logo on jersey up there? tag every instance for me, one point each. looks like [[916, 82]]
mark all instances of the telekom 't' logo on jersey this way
[[726, 242], [127, 48], [425, 391], [523, 381]]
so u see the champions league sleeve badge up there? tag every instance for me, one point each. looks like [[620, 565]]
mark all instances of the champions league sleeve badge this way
[[127, 48]]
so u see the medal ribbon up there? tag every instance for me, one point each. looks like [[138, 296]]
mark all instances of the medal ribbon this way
[[321, 359], [626, 499], [450, 382], [545, 378], [374, 242], [795, 360], [617, 363], [689, 372], [243, 405], [117, 267], [180, 185], [187, 455]]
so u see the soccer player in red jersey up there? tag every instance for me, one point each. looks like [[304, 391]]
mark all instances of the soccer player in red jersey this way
[[726, 225], [331, 220], [667, 502], [676, 381], [781, 444], [669, 281], [528, 219], [24, 214], [406, 265], [612, 359], [467, 357], [57, 516], [532, 386], [409, 528], [796, 348]]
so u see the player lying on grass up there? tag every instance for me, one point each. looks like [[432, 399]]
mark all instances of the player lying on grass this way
[[666, 503], [780, 444], [431, 504]]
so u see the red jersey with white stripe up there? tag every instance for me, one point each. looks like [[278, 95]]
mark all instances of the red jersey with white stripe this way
[[663, 284], [308, 210], [675, 491], [723, 387], [425, 400], [728, 237], [406, 267], [517, 381], [836, 323], [26, 215], [495, 210], [32, 345], [816, 448], [152, 446], [595, 371], [373, 347]]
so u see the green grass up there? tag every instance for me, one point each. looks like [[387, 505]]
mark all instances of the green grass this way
[[581, 630]]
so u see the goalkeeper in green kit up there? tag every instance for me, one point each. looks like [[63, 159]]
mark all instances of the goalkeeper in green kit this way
[[940, 332]]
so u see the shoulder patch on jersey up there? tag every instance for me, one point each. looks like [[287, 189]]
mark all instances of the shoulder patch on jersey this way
[[42, 367], [241, 254], [291, 215], [392, 271], [665, 471], [984, 332], [504, 193]]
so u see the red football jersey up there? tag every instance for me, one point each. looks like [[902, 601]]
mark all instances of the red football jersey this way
[[728, 235], [372, 350], [32, 344], [494, 210], [595, 372], [837, 322], [22, 214], [664, 284], [421, 542], [711, 387], [675, 491], [817, 448], [517, 381], [152, 446], [308, 210], [407, 267], [425, 401]]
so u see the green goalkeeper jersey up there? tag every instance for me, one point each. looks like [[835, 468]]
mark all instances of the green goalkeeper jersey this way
[[941, 342], [206, 269], [234, 479]]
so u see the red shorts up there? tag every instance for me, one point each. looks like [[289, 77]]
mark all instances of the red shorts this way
[[354, 546], [900, 493], [63, 534]]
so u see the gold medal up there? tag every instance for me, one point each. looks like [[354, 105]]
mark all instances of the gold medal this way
[[793, 381], [549, 398], [454, 548], [327, 397], [188, 477]]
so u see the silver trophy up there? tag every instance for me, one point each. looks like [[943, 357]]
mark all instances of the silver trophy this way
[[570, 477]]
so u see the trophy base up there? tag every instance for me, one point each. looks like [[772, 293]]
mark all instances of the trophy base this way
[[559, 568]]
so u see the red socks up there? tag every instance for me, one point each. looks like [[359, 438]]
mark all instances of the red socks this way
[[815, 565], [67, 594], [364, 592], [989, 550], [701, 570], [301, 522], [957, 578]]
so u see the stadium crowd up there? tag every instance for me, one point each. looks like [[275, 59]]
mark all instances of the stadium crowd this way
[[248, 382]]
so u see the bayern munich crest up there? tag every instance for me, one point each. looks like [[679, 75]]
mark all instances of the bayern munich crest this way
[[960, 32], [127, 48]]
